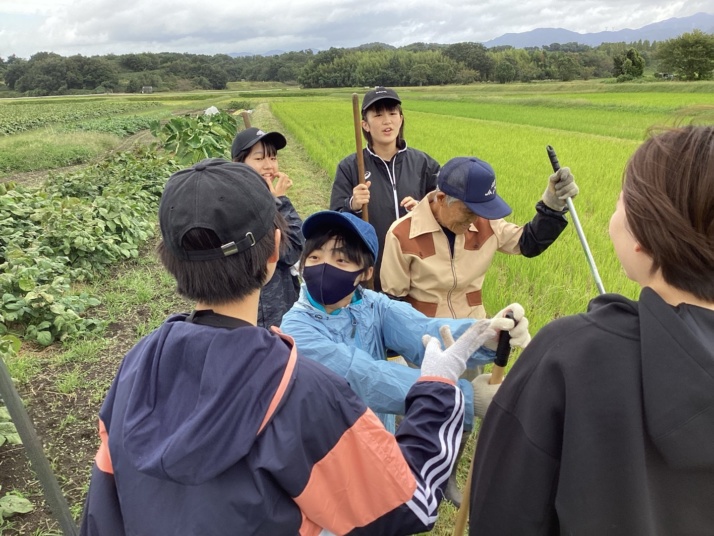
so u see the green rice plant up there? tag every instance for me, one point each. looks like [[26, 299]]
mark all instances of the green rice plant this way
[[558, 282]]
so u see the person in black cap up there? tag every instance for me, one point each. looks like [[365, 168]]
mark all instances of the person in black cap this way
[[397, 177], [215, 426], [259, 150]]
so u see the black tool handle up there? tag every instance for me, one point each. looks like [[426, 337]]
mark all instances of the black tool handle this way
[[553, 159], [503, 350]]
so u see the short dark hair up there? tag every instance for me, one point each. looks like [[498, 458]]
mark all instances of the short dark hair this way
[[268, 148], [224, 280], [354, 247], [668, 192], [381, 106]]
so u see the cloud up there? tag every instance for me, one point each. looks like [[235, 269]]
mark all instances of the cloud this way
[[210, 26]]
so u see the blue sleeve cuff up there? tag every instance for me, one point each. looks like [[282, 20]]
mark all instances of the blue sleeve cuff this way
[[468, 390]]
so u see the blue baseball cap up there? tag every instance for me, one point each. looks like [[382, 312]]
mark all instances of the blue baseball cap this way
[[331, 218], [473, 181]]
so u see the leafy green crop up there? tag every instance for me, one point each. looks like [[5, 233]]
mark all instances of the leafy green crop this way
[[192, 139], [121, 126], [75, 228]]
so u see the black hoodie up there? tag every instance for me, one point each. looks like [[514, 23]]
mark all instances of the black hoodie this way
[[605, 425]]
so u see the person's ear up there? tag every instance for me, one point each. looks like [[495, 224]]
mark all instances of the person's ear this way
[[365, 125], [276, 252], [440, 197]]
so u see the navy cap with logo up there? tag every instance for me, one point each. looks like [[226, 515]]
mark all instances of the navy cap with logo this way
[[245, 139], [330, 219], [473, 181], [228, 198], [377, 94]]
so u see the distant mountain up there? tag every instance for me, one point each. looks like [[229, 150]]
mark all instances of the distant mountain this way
[[658, 31], [268, 53]]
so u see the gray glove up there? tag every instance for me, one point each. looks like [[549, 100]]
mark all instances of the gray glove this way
[[451, 363], [561, 186], [483, 394]]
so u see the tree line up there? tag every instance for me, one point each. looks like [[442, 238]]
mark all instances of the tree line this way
[[688, 57]]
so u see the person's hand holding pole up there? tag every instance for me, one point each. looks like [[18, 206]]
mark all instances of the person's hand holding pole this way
[[576, 221]]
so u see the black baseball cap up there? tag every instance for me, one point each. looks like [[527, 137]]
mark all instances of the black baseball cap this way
[[245, 139], [377, 94], [473, 181], [228, 198]]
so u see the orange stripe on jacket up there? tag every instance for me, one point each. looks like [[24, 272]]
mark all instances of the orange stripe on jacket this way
[[308, 528], [103, 459], [362, 478], [284, 382]]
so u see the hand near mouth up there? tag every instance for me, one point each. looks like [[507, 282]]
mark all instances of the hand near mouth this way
[[281, 184]]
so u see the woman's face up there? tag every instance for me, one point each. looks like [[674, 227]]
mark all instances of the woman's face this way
[[384, 125], [266, 166]]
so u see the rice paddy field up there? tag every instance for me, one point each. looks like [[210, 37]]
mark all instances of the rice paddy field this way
[[593, 133]]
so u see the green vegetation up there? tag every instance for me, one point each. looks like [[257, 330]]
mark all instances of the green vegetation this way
[[191, 139], [19, 116], [119, 126], [593, 126], [690, 56], [72, 230], [417, 64], [48, 148]]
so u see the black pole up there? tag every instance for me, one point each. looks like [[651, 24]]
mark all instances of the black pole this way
[[53, 494]]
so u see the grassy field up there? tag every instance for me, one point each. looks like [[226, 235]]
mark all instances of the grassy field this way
[[593, 126]]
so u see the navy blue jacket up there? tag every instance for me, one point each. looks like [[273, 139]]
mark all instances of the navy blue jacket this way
[[283, 289], [215, 427]]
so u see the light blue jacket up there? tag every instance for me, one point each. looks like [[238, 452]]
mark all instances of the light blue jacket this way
[[352, 342]]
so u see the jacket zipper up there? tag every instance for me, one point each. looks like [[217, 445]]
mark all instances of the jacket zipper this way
[[392, 178], [453, 273]]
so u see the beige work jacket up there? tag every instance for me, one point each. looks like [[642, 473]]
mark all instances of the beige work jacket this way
[[418, 265]]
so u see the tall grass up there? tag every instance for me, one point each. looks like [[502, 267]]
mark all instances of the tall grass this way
[[49, 148]]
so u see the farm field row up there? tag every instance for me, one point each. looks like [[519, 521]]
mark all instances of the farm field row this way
[[19, 116]]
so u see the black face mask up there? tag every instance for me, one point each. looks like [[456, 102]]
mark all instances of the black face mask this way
[[328, 285]]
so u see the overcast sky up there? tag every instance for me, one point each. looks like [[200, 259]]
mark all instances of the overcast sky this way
[[91, 27]]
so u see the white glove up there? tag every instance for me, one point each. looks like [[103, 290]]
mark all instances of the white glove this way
[[519, 332], [451, 363], [561, 186], [483, 394]]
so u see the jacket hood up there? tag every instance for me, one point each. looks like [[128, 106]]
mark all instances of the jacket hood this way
[[678, 382], [198, 397]]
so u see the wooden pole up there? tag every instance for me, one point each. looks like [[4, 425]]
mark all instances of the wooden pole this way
[[357, 117], [499, 370], [246, 118]]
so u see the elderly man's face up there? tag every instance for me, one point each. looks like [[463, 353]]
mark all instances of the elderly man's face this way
[[455, 216]]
